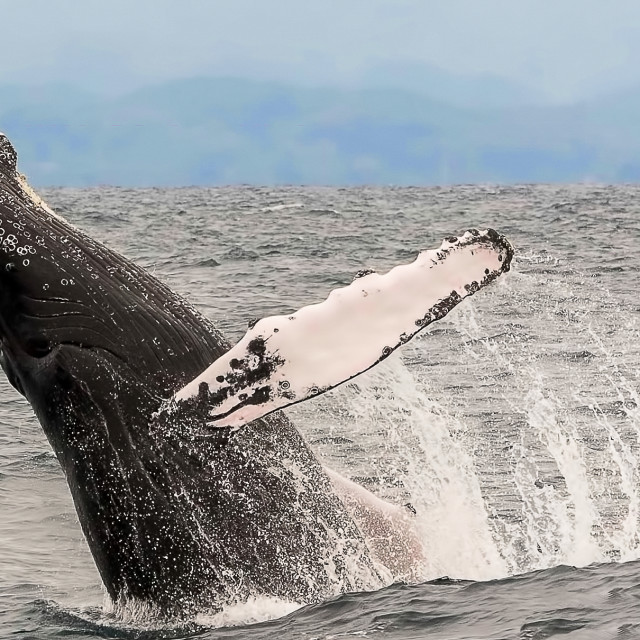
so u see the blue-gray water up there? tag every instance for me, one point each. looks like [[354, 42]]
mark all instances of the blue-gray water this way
[[513, 425]]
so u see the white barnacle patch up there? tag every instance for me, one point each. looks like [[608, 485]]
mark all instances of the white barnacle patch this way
[[35, 198], [10, 243], [8, 167], [287, 359]]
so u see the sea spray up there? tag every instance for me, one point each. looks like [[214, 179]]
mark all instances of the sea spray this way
[[575, 467], [424, 463], [564, 490]]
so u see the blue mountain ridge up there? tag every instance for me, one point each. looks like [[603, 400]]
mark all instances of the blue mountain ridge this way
[[213, 131]]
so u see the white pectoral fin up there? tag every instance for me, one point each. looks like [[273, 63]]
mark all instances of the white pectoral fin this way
[[283, 360]]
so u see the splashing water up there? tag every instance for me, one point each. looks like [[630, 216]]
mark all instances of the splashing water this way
[[524, 455], [139, 620]]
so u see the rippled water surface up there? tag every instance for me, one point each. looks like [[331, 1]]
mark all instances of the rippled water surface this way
[[512, 426]]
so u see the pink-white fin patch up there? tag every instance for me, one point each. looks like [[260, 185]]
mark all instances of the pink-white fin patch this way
[[283, 360]]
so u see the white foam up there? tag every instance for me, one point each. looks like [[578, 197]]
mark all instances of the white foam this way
[[131, 613], [281, 207], [254, 610]]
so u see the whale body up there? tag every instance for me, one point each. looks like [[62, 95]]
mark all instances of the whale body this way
[[182, 507]]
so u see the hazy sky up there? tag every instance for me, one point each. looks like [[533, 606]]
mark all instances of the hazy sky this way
[[566, 48]]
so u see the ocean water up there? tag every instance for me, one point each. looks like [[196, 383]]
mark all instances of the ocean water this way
[[512, 426]]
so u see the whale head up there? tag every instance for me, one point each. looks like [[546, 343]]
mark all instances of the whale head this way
[[95, 343], [60, 288]]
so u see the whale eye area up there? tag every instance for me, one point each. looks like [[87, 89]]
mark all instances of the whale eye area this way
[[38, 347]]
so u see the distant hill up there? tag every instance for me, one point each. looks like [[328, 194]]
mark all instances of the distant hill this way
[[211, 131], [479, 91]]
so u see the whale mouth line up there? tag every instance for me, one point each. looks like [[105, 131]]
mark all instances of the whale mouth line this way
[[41, 350]]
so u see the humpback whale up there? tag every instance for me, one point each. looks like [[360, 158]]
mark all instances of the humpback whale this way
[[191, 487]]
